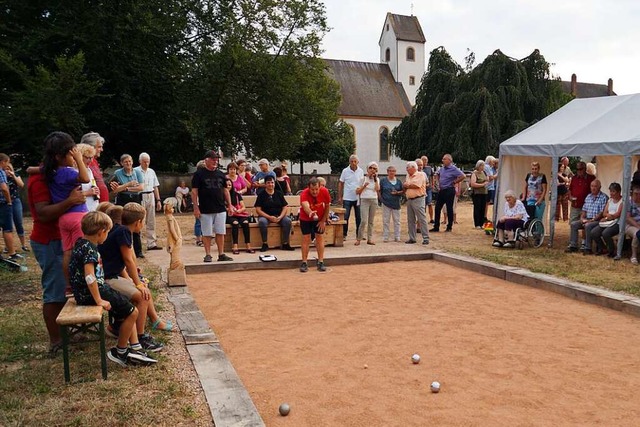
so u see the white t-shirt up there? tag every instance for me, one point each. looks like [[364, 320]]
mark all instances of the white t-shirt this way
[[184, 191], [92, 202], [351, 180]]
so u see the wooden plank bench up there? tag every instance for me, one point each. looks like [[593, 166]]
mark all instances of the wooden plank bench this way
[[333, 235], [75, 319]]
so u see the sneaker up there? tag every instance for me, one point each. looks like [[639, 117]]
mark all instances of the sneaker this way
[[571, 249], [149, 344], [207, 258], [497, 244], [425, 242], [25, 249], [224, 257], [120, 359], [139, 357], [139, 255], [287, 247], [321, 266], [304, 267], [264, 247], [508, 245], [410, 242], [155, 248], [16, 257]]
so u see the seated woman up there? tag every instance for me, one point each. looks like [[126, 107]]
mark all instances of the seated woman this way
[[182, 192], [608, 226], [240, 217], [515, 215]]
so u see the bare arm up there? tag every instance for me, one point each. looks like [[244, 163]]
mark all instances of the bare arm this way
[[89, 272], [48, 212]]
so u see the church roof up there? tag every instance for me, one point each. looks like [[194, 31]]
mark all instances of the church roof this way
[[368, 90], [406, 28]]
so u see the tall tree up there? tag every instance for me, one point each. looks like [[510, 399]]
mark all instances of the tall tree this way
[[468, 112]]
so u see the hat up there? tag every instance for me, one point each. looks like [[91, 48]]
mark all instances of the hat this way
[[211, 154], [263, 162]]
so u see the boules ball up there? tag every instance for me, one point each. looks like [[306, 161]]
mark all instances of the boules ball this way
[[284, 409], [415, 359], [435, 387]]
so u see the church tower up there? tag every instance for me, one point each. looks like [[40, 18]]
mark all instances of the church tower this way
[[402, 49]]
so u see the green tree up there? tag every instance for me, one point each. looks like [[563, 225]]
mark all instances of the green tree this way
[[468, 112]]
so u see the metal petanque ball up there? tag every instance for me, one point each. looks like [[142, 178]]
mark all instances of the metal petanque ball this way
[[435, 387], [415, 359], [284, 409]]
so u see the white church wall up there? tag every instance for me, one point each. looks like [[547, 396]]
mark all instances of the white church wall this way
[[407, 68], [388, 40]]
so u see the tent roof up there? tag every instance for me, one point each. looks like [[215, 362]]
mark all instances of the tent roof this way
[[584, 127]]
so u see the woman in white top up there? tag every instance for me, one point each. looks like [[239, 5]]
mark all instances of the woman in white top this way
[[608, 226], [89, 189], [182, 191], [367, 191], [515, 215]]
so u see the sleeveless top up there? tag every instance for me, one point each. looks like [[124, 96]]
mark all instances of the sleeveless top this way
[[481, 178], [613, 206]]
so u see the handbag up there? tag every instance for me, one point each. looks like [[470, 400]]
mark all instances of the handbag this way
[[607, 224], [125, 197]]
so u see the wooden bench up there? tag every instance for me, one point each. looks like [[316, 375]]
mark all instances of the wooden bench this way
[[333, 235], [75, 319]]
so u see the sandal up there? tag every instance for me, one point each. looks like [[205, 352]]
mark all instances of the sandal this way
[[251, 251], [199, 243], [167, 328], [357, 243], [235, 252]]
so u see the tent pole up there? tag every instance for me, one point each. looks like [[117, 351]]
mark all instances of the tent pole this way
[[626, 177], [554, 199]]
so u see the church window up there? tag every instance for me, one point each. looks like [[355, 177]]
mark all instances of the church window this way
[[412, 81], [411, 54], [384, 144], [387, 55]]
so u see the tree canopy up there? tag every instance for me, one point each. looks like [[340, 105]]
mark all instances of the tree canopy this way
[[170, 77], [468, 111]]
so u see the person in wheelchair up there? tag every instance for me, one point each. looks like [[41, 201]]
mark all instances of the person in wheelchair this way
[[515, 216]]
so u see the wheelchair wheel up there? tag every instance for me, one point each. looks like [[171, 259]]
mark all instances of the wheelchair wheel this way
[[535, 233], [519, 238]]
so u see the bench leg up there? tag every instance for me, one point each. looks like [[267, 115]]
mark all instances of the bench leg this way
[[103, 350], [65, 352]]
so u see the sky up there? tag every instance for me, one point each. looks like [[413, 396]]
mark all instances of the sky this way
[[595, 39]]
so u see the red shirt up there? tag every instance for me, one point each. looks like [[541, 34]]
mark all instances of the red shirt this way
[[38, 192], [580, 188], [318, 203], [97, 175]]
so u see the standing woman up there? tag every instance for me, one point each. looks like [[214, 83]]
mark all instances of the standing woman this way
[[368, 193], [491, 169], [535, 189], [562, 205], [15, 183], [391, 191], [479, 183]]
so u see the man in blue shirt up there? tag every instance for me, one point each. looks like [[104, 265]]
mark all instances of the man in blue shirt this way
[[258, 181], [449, 176]]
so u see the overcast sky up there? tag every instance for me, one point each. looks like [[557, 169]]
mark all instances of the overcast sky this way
[[595, 39]]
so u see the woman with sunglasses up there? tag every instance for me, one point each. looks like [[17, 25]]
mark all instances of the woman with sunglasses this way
[[367, 191]]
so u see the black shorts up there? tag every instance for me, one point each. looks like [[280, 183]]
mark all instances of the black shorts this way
[[309, 227], [121, 308]]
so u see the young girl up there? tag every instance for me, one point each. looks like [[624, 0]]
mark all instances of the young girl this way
[[59, 167]]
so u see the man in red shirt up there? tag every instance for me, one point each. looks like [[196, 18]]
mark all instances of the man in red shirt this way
[[579, 189], [47, 248], [96, 141], [314, 211]]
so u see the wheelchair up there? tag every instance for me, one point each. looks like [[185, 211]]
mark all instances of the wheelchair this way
[[532, 234]]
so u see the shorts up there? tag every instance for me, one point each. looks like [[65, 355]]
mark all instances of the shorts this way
[[124, 286], [70, 229], [49, 259], [214, 223], [6, 217], [309, 227], [429, 197], [121, 308]]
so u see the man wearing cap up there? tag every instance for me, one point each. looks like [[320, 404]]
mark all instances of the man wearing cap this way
[[211, 200], [258, 180]]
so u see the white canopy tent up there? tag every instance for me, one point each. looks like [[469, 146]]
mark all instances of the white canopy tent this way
[[607, 128]]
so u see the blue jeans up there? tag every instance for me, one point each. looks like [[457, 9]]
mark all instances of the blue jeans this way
[[49, 258], [285, 224], [17, 217], [197, 228], [347, 205]]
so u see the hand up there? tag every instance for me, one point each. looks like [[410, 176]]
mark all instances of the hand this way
[[196, 211], [76, 154], [321, 226], [113, 185], [77, 197], [339, 200], [158, 205], [105, 305], [145, 292]]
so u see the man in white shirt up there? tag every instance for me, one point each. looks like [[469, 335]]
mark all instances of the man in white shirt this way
[[350, 179], [150, 199]]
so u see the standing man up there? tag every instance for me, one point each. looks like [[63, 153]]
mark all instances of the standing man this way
[[150, 199], [211, 200], [47, 248], [415, 188], [579, 189], [258, 181], [314, 211], [97, 142], [428, 171], [449, 176], [350, 179]]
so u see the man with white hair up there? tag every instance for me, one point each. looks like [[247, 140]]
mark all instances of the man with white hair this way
[[258, 181], [350, 179], [150, 199], [415, 188], [97, 142], [449, 175]]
